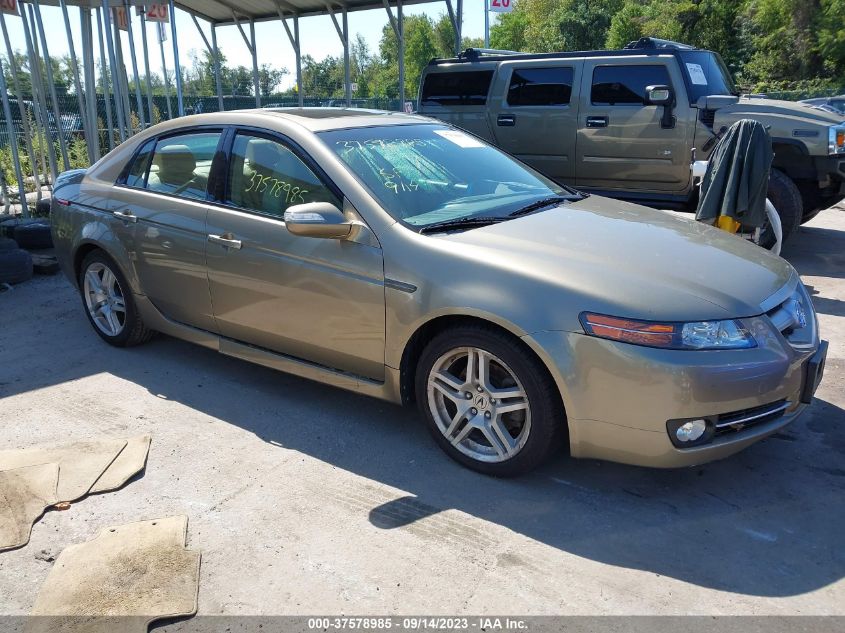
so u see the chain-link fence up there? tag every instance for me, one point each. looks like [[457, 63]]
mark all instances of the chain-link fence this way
[[38, 130]]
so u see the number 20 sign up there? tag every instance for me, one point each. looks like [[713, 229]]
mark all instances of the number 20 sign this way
[[501, 6]]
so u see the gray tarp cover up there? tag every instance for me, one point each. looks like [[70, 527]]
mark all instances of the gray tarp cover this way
[[737, 175]]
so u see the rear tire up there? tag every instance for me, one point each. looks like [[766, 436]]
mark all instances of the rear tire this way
[[786, 197], [109, 303], [512, 420]]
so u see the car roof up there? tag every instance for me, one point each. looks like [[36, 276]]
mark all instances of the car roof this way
[[310, 119], [334, 118]]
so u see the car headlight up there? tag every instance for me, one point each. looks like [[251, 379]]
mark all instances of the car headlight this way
[[836, 139], [695, 335]]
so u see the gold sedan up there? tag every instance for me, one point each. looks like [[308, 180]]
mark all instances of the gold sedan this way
[[404, 259]]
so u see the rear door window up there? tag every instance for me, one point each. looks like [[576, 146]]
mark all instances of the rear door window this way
[[181, 164], [625, 85], [136, 175], [540, 86], [466, 88]]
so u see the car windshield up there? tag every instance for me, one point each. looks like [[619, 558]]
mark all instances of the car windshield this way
[[429, 174], [706, 75]]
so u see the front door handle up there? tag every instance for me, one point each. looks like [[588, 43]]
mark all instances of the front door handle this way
[[506, 120], [596, 121], [126, 216], [227, 239]]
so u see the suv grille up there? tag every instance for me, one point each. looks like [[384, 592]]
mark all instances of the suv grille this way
[[708, 117]]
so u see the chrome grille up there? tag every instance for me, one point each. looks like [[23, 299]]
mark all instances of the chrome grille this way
[[739, 420]]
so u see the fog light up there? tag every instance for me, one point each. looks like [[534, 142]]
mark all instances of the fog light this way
[[691, 431]]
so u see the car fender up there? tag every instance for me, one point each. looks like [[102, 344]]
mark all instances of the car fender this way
[[97, 233]]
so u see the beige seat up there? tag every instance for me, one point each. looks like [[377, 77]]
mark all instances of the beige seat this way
[[174, 172], [259, 157]]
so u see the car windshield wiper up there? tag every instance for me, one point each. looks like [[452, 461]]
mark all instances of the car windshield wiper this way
[[541, 204], [462, 223]]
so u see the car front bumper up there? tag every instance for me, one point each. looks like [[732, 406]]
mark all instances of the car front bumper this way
[[619, 397]]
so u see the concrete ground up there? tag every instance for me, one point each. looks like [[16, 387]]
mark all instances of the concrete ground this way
[[306, 499]]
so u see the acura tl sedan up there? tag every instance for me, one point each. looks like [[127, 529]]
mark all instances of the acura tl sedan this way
[[401, 258]]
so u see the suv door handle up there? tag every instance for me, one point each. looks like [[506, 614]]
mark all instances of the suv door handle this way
[[125, 215], [227, 239], [506, 120], [597, 121]]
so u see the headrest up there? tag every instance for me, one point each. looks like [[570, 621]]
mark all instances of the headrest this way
[[262, 153], [175, 163]]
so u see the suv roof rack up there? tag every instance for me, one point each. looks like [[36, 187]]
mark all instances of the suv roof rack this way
[[643, 46], [475, 53], [653, 42]]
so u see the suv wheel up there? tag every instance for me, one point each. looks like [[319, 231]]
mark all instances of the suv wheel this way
[[786, 197], [489, 404], [109, 303]]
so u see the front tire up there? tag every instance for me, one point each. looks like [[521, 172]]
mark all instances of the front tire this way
[[488, 402], [786, 198], [109, 303]]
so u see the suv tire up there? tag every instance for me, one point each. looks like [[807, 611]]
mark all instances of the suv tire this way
[[786, 197], [535, 421]]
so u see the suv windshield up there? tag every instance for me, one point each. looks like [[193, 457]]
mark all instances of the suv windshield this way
[[428, 174], [706, 74]]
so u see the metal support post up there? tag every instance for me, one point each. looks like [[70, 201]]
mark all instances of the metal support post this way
[[13, 142], [51, 84], [27, 133], [135, 76], [147, 81], [177, 66], [106, 80]]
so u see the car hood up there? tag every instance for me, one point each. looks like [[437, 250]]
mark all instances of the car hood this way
[[802, 113], [631, 261]]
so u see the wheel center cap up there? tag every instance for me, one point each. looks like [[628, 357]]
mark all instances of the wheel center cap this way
[[481, 401]]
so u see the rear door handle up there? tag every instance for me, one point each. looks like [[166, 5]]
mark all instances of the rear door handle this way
[[506, 120], [596, 121], [227, 240], [126, 216]]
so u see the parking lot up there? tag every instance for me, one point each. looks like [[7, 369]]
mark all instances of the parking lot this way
[[306, 499]]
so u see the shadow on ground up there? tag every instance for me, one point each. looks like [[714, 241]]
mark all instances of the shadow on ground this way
[[767, 522]]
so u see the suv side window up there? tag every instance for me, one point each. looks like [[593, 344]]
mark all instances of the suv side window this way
[[268, 177], [181, 164], [625, 85], [465, 88], [540, 86]]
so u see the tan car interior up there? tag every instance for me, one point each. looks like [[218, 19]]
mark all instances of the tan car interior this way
[[174, 171], [284, 179]]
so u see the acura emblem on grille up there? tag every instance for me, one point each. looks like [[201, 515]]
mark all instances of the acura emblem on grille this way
[[799, 315]]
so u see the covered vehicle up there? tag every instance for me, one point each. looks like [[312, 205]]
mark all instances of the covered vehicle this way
[[405, 259]]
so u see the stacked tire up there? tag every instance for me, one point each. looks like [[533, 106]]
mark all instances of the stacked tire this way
[[15, 263], [31, 233]]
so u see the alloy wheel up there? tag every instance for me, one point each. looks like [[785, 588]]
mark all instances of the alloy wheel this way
[[104, 299], [479, 404]]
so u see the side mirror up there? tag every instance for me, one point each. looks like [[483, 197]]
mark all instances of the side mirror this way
[[662, 96], [658, 95], [317, 219]]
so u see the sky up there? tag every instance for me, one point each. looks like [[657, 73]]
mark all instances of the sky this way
[[318, 37]]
